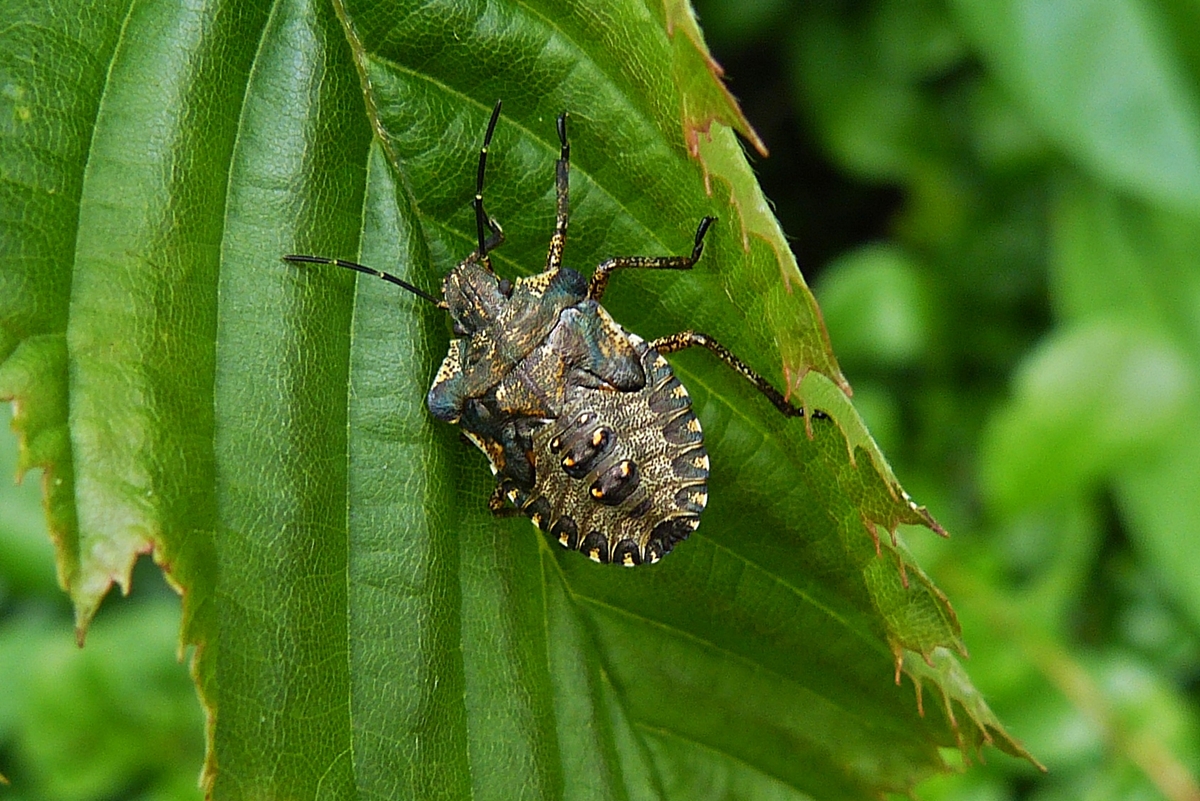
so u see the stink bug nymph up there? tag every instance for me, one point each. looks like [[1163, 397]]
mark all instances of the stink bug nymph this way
[[587, 429]]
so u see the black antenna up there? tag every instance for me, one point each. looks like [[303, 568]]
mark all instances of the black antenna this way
[[400, 282]]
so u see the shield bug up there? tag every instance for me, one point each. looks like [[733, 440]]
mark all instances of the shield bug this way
[[587, 429]]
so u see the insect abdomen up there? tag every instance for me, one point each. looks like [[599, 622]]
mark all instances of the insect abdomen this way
[[621, 476]]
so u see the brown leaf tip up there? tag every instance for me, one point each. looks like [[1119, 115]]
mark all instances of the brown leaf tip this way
[[680, 18]]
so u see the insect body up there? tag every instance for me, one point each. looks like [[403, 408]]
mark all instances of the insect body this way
[[585, 425]]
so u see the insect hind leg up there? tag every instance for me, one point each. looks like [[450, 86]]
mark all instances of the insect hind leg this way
[[498, 503], [688, 339], [599, 281]]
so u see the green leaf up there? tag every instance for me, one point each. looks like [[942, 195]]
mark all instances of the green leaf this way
[[100, 721], [26, 557], [364, 624], [878, 306], [1120, 261], [864, 75], [1092, 398], [1118, 99]]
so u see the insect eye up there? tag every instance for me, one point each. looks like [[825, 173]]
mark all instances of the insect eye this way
[[506, 287], [459, 331]]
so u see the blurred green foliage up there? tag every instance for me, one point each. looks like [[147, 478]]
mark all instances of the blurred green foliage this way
[[999, 204], [117, 719], [1013, 287]]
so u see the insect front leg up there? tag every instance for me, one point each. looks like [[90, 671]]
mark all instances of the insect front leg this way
[[562, 169], [494, 235], [687, 339], [599, 280]]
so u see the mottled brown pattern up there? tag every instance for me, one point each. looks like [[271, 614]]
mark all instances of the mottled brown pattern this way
[[671, 477]]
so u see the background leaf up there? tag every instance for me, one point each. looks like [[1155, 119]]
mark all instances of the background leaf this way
[[1027, 165], [1116, 100]]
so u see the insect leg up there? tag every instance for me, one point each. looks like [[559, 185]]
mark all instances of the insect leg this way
[[599, 280], [562, 169], [487, 241], [498, 507], [686, 339]]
